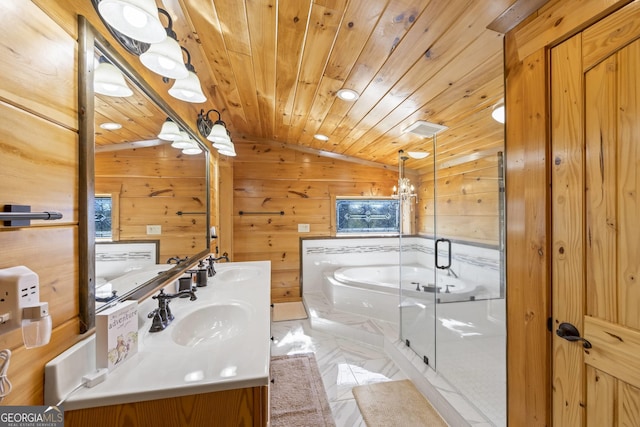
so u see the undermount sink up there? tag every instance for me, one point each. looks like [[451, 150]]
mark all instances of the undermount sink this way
[[211, 324], [236, 274]]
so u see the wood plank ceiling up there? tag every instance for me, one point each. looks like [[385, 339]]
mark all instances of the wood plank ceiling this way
[[273, 67]]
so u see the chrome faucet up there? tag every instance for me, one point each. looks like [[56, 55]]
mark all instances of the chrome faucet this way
[[162, 315]]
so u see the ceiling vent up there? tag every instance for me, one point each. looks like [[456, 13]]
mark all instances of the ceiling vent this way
[[424, 129]]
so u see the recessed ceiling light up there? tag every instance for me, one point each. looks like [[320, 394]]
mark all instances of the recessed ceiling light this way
[[418, 154], [498, 112], [110, 126], [321, 137], [348, 94]]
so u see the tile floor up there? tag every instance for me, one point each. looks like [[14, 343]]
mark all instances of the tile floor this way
[[352, 350], [343, 364]]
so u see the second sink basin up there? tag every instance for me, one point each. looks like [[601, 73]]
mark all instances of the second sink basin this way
[[211, 324], [235, 274]]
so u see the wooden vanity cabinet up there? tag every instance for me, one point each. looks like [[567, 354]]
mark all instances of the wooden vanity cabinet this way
[[239, 407]]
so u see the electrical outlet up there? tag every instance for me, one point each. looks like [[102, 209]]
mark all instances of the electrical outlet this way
[[154, 229], [303, 228], [19, 287]]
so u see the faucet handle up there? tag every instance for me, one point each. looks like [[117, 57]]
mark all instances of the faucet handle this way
[[157, 324], [162, 297]]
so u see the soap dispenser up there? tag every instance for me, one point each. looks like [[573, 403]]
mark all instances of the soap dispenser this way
[[202, 274], [185, 283]]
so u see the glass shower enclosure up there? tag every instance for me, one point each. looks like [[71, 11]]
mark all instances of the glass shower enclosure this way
[[452, 290]]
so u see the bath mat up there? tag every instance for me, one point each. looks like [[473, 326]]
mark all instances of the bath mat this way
[[288, 311], [298, 397], [395, 403]]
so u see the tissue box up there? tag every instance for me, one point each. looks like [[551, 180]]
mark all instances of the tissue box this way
[[116, 335]]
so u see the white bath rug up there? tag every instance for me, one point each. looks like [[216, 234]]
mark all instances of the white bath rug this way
[[288, 311]]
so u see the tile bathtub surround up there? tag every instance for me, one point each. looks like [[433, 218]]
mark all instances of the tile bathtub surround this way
[[480, 264]]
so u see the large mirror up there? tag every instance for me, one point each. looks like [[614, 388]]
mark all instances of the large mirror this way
[[147, 201]]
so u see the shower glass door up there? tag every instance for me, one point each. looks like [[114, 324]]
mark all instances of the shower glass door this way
[[452, 287], [417, 275], [470, 303]]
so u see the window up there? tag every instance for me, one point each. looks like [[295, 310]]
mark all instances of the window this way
[[367, 216], [103, 208]]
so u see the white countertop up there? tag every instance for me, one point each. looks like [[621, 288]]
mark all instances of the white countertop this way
[[163, 368]]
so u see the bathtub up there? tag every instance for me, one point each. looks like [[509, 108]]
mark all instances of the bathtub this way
[[373, 291]]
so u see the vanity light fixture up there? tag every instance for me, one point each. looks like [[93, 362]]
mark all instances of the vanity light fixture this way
[[108, 80], [321, 137], [348, 94], [137, 19], [111, 126], [188, 89], [498, 112], [170, 131], [214, 131], [162, 55], [165, 58]]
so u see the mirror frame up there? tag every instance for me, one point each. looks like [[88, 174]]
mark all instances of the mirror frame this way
[[88, 40]]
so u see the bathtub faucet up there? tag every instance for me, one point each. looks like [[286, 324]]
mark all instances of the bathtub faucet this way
[[450, 272]]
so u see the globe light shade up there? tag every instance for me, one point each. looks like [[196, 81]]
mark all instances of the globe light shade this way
[[498, 113], [191, 151], [165, 58], [108, 80], [183, 142], [169, 131], [188, 89], [137, 19]]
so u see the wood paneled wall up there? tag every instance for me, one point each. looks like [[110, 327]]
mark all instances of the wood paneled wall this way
[[39, 167], [528, 201], [152, 184], [466, 202], [272, 178]]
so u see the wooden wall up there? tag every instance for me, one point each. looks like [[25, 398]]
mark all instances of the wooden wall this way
[[528, 201], [466, 202], [152, 184], [272, 178], [39, 166]]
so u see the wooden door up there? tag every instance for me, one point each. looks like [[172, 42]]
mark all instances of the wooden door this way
[[595, 159]]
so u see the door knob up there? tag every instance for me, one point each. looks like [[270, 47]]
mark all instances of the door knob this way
[[571, 333]]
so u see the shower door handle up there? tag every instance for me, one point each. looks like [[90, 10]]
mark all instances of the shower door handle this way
[[443, 267]]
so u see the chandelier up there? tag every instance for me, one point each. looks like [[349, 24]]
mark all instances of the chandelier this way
[[404, 190]]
